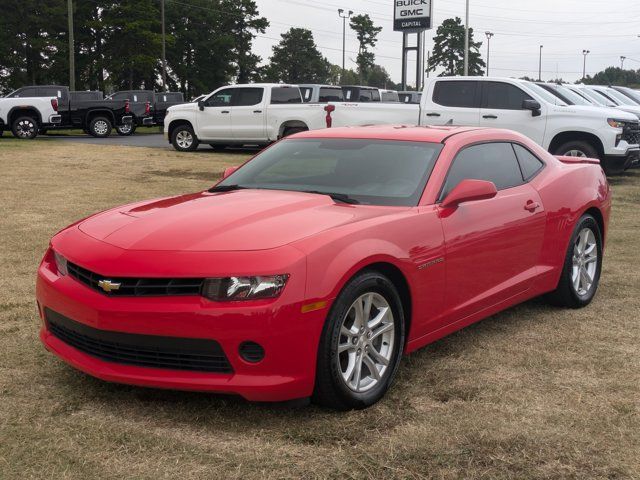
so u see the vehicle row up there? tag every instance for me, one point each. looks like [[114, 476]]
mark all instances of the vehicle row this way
[[33, 110]]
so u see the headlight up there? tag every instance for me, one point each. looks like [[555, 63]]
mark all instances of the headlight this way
[[616, 123], [61, 264], [243, 288]]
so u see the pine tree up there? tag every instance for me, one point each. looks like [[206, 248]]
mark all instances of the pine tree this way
[[448, 50]]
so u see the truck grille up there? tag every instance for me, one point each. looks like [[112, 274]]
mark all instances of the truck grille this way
[[172, 353], [631, 133], [136, 287]]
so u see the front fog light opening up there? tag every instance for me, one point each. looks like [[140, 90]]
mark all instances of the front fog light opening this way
[[251, 352]]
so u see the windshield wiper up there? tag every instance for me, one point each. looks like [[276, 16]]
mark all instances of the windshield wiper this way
[[338, 197], [226, 188]]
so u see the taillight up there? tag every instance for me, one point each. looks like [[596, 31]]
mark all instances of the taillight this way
[[54, 104], [147, 108], [329, 109], [127, 106]]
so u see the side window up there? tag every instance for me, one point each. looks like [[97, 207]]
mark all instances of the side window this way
[[458, 93], [280, 95], [306, 92], [221, 98], [245, 97], [348, 94], [529, 163], [375, 95], [365, 96], [120, 96], [503, 96], [331, 95], [27, 92], [493, 162]]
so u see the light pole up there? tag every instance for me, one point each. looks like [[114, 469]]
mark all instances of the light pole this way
[[72, 61], [622, 59], [466, 41], [584, 64], [540, 65], [344, 17], [164, 50], [489, 35]]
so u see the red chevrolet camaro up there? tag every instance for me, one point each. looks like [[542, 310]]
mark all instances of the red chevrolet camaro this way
[[310, 270]]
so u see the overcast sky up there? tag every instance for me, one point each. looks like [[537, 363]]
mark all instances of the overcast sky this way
[[607, 28]]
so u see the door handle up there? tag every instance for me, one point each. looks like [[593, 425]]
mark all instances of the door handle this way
[[225, 111], [492, 117], [257, 111], [532, 206], [433, 114]]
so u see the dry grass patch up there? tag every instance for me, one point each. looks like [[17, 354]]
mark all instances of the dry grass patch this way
[[534, 392]]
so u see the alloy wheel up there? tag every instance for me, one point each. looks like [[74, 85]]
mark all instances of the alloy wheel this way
[[584, 262], [576, 153], [101, 127], [366, 342], [184, 139], [25, 129]]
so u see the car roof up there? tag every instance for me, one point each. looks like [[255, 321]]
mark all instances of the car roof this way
[[432, 134]]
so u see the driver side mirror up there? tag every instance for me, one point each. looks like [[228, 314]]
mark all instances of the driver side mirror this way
[[534, 106], [470, 191], [201, 105], [228, 171]]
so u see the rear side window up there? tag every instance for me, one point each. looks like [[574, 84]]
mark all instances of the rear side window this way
[[244, 97], [25, 92], [529, 163], [458, 93], [493, 162], [331, 95], [390, 97], [503, 96], [280, 95], [307, 93], [120, 96]]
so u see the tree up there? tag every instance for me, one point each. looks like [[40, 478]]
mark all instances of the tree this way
[[614, 76], [296, 59], [367, 34], [448, 50], [379, 77]]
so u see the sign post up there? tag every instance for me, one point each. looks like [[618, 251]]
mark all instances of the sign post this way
[[412, 17]]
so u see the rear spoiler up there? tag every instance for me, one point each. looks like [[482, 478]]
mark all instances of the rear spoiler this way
[[574, 160]]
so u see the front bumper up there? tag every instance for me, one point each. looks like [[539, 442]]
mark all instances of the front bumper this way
[[289, 338], [615, 164]]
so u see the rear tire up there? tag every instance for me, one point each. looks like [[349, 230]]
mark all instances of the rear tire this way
[[126, 130], [582, 266], [25, 128], [184, 139], [100, 127], [351, 349]]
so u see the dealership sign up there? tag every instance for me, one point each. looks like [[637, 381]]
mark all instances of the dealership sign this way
[[412, 15]]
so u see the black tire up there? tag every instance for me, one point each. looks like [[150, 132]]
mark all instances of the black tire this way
[[42, 131], [126, 130], [331, 390], [566, 295], [585, 148], [25, 128], [293, 130], [100, 127], [180, 138]]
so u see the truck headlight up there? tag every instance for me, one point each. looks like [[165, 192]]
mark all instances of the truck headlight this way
[[61, 264], [243, 288], [616, 123]]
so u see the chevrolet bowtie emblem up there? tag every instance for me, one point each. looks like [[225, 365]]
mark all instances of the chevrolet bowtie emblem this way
[[108, 285]]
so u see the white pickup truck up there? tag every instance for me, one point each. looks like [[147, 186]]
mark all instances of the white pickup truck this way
[[611, 135], [256, 114], [25, 116]]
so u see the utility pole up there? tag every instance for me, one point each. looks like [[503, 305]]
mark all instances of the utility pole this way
[[584, 64], [344, 17], [466, 42], [72, 62], [164, 49], [489, 35], [622, 59], [540, 65]]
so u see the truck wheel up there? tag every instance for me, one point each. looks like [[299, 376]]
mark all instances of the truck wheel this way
[[577, 149], [184, 139], [293, 130], [100, 127], [126, 130], [25, 128]]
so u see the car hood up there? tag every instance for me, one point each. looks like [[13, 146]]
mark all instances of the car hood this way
[[241, 220], [631, 109], [181, 107]]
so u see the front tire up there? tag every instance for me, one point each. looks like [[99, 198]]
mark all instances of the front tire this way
[[361, 344], [25, 128], [577, 148], [184, 139], [100, 127], [582, 266], [126, 130]]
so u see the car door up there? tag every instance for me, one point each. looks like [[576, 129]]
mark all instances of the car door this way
[[248, 114], [453, 102], [214, 120], [492, 246], [502, 107]]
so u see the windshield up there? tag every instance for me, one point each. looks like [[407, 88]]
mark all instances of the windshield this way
[[620, 98], [572, 96], [597, 98], [631, 93], [370, 172], [547, 96]]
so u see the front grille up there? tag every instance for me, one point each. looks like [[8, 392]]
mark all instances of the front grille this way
[[171, 353], [631, 133], [137, 287]]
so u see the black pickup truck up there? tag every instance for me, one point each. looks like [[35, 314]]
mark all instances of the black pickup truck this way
[[84, 110], [147, 107]]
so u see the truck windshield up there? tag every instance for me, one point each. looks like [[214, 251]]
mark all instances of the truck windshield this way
[[572, 96], [620, 98], [370, 172], [548, 97]]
